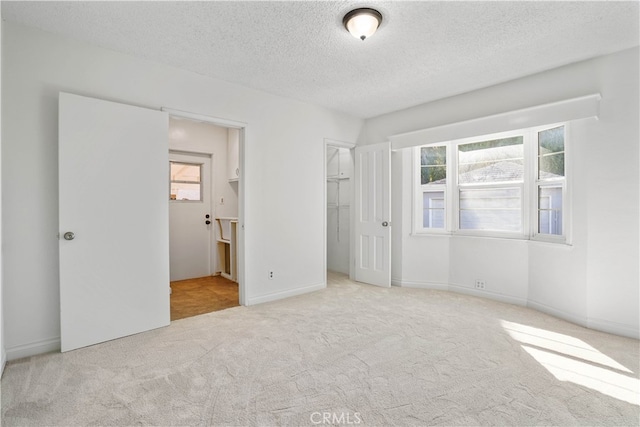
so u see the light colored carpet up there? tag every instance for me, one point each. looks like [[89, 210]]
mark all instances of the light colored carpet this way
[[361, 354]]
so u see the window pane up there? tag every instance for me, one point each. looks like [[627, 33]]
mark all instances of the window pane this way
[[551, 140], [551, 166], [500, 160], [181, 191], [496, 209], [550, 210], [433, 161], [551, 153], [433, 209], [434, 175], [185, 172]]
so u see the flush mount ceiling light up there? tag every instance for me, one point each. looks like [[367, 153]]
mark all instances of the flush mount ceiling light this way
[[363, 22]]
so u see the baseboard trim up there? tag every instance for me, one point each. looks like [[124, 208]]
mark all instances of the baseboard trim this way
[[578, 320], [33, 349], [488, 294], [285, 294], [613, 328], [460, 290], [3, 362], [588, 322], [420, 285]]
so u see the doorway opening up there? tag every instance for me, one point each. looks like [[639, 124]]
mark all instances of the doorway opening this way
[[339, 192], [203, 216]]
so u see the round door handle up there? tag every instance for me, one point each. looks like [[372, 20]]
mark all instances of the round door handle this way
[[385, 223], [69, 235]]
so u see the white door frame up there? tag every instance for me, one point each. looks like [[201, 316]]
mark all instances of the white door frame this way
[[340, 144], [243, 127]]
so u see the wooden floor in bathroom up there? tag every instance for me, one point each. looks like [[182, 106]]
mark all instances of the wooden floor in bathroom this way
[[202, 295]]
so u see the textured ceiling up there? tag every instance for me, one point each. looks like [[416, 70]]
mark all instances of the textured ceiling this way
[[423, 51]]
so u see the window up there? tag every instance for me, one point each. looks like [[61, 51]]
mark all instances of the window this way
[[506, 185], [490, 176], [186, 184], [550, 181], [433, 178]]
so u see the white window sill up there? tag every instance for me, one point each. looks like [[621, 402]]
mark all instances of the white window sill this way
[[534, 240]]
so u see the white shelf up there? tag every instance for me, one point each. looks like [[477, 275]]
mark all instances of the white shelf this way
[[227, 248]]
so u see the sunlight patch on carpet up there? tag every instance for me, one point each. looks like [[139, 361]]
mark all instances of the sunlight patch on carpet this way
[[571, 359]]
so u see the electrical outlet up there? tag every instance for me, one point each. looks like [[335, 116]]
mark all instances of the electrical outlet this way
[[480, 284], [270, 275]]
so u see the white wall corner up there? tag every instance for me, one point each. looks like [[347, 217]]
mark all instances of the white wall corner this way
[[33, 349]]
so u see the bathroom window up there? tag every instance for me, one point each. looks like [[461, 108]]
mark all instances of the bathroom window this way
[[186, 182]]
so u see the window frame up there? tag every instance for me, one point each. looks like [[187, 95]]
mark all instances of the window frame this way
[[420, 189], [528, 186], [537, 183]]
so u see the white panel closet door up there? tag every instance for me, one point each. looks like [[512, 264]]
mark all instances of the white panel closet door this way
[[373, 213], [113, 180]]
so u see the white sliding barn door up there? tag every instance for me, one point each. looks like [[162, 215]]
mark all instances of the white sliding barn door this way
[[113, 180], [372, 214]]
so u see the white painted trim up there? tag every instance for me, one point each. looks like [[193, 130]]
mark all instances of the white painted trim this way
[[33, 349], [613, 328], [192, 153], [589, 322], [336, 143], [561, 111], [460, 290], [285, 294], [488, 294], [202, 118], [421, 285], [243, 287], [3, 362], [578, 320]]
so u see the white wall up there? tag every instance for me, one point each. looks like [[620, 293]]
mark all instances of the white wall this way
[[279, 237], [595, 281]]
